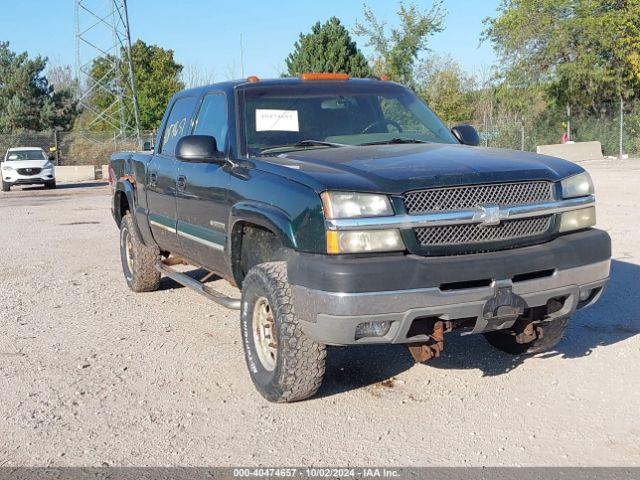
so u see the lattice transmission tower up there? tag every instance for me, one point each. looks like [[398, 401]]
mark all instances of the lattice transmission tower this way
[[103, 44]]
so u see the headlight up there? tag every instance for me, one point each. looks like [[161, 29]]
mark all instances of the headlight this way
[[354, 205], [6, 167], [47, 166], [577, 186], [364, 241], [578, 219]]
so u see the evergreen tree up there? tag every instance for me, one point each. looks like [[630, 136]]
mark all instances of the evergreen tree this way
[[328, 48]]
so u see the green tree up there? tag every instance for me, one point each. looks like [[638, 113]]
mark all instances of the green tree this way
[[395, 53], [583, 52], [328, 48], [64, 95], [157, 79], [446, 88], [27, 101]]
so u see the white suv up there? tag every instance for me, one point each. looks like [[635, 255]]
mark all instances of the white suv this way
[[27, 166]]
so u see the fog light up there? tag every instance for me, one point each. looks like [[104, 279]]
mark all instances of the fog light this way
[[372, 329], [585, 294]]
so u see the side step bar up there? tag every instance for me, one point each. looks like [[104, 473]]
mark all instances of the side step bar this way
[[201, 288]]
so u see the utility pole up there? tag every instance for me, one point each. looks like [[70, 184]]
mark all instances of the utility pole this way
[[103, 35], [568, 122]]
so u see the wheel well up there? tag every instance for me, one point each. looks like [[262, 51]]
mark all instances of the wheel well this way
[[122, 206], [252, 245]]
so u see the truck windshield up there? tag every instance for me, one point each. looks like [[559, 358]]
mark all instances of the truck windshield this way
[[13, 155], [303, 115]]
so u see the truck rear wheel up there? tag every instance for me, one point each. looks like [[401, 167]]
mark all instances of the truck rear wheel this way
[[5, 186], [138, 260], [548, 335], [285, 365]]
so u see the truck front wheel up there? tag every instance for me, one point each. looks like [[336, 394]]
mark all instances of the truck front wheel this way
[[548, 334], [285, 365], [138, 260]]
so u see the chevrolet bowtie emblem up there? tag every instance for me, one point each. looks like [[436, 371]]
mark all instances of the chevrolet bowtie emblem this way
[[489, 214]]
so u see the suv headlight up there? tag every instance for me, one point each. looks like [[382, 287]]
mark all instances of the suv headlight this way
[[48, 166], [6, 168], [344, 205], [577, 186], [355, 205]]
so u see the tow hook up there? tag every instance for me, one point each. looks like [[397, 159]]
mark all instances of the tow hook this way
[[421, 352], [529, 333]]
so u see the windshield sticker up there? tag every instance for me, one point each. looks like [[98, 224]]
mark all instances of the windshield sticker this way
[[277, 120]]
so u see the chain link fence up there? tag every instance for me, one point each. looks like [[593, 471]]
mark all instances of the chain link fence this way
[[521, 135], [95, 148], [75, 148]]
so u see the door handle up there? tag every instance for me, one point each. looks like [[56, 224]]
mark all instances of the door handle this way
[[153, 179], [181, 182]]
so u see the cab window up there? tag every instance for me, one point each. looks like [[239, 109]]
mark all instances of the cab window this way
[[212, 119]]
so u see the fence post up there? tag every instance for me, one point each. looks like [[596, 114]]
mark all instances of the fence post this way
[[56, 146], [621, 127]]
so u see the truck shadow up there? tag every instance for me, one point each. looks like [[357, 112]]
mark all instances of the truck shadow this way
[[615, 318]]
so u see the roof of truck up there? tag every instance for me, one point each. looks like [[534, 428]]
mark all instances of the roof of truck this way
[[255, 81]]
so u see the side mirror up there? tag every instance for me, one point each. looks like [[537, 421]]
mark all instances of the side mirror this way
[[146, 147], [51, 158], [466, 134], [198, 148]]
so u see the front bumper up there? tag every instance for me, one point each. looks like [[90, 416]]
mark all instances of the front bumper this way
[[450, 288], [12, 177]]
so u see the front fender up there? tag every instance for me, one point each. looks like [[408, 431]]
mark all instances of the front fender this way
[[264, 215]]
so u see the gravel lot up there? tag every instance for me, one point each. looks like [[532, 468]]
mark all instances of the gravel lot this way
[[92, 374]]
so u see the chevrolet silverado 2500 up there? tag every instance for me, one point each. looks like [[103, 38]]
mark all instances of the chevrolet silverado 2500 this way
[[347, 213]]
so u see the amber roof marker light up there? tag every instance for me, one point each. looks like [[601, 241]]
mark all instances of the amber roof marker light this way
[[309, 77], [253, 79]]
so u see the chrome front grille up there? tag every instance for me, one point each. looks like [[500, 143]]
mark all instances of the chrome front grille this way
[[470, 237], [460, 198]]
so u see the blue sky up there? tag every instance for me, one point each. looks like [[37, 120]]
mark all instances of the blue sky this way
[[206, 33]]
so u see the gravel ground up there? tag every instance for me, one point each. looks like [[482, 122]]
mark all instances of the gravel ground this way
[[92, 374]]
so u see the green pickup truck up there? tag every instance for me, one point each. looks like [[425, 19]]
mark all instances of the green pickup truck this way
[[347, 213]]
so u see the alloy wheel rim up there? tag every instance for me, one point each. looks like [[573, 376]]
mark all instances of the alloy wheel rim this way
[[128, 251], [264, 336]]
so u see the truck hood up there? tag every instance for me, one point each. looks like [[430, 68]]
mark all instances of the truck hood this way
[[395, 169], [26, 163]]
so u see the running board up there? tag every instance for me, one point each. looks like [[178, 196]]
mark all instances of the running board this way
[[201, 288]]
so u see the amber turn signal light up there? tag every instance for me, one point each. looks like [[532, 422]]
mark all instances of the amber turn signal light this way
[[305, 77]]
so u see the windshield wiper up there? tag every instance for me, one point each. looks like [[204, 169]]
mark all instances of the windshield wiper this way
[[302, 144], [396, 140]]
